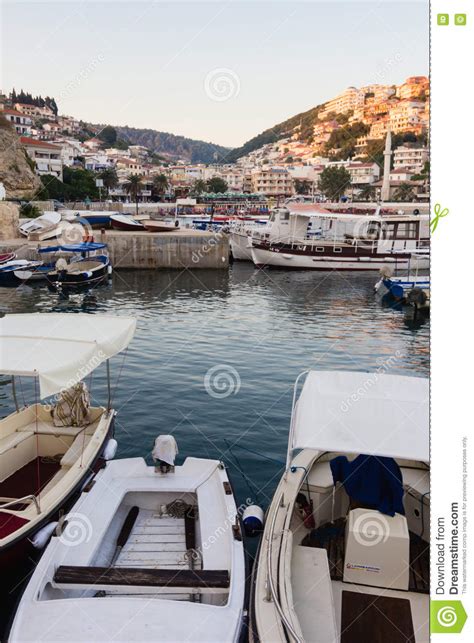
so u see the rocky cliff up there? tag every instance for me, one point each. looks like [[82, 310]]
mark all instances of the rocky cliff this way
[[19, 179]]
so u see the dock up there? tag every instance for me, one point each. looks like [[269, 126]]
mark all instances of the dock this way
[[192, 249]]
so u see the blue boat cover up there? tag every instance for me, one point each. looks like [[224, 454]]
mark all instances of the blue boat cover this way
[[375, 482], [75, 247]]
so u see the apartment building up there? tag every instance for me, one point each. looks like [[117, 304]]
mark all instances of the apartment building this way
[[34, 111], [47, 157], [410, 157], [271, 182], [413, 87], [21, 122]]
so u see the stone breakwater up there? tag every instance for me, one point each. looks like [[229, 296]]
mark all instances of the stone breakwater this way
[[179, 249]]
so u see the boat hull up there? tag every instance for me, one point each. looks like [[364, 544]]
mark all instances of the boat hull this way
[[289, 258], [127, 224], [64, 281], [240, 246], [19, 557]]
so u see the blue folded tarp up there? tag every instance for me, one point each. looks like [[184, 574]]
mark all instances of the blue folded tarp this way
[[372, 481]]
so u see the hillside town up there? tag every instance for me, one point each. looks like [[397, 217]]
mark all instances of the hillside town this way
[[347, 134]]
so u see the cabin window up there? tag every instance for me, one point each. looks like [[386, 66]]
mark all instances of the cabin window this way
[[337, 249], [319, 249], [407, 230], [285, 216]]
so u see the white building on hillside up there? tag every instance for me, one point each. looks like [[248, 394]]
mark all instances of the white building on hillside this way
[[410, 157], [46, 156], [21, 122]]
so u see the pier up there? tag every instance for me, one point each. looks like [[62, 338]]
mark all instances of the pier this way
[[179, 249]]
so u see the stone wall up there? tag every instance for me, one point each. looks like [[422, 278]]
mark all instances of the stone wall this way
[[183, 249], [9, 216]]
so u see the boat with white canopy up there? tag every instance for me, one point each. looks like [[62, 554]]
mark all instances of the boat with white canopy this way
[[345, 551], [149, 553], [48, 452], [342, 242]]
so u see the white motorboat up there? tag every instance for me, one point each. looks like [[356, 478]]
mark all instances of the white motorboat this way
[[42, 228], [345, 551], [240, 237], [147, 554], [47, 455]]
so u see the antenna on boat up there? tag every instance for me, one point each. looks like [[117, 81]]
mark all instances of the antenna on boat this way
[[109, 393]]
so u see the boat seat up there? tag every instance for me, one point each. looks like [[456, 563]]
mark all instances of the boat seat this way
[[98, 577], [416, 480], [312, 593], [53, 482], [74, 452], [320, 477], [48, 428], [12, 440]]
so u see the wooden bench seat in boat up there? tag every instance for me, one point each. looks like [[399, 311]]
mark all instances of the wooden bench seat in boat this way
[[74, 452], [48, 428], [211, 580], [12, 440]]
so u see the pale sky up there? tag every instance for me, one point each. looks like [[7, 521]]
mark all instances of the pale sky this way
[[158, 64]]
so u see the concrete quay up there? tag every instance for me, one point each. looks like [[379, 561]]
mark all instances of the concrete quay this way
[[192, 249]]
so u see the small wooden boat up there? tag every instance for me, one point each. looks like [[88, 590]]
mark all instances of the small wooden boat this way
[[45, 463], [147, 554], [125, 222], [346, 542], [42, 228], [161, 226], [90, 268], [8, 256]]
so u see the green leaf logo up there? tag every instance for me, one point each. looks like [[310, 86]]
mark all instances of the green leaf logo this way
[[447, 617]]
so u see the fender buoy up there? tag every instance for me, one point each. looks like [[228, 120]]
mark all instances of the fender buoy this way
[[253, 520]]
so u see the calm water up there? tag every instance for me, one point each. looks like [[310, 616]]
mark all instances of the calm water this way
[[257, 331]]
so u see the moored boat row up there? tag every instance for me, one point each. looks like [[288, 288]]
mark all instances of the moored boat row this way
[[156, 553]]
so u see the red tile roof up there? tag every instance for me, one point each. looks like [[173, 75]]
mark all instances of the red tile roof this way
[[27, 140], [13, 112]]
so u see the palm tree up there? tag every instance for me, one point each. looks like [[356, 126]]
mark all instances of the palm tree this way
[[367, 193], [110, 178], [404, 192], [160, 184], [199, 186], [133, 187]]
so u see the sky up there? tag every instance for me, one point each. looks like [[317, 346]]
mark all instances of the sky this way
[[219, 71]]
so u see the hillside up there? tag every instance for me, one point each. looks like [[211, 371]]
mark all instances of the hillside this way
[[172, 146], [16, 172], [304, 122]]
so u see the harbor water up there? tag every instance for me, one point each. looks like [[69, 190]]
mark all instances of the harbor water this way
[[216, 354]]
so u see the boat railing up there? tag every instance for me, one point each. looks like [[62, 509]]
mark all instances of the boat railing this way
[[11, 502], [272, 593]]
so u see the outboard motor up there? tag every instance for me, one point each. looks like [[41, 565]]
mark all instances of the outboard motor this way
[[164, 453]]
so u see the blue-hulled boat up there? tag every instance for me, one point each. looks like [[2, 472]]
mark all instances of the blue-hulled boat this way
[[8, 270]]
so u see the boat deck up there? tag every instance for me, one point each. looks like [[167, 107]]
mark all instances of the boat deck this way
[[159, 542], [361, 612]]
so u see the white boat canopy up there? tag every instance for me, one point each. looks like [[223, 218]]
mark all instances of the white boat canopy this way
[[369, 413], [60, 349]]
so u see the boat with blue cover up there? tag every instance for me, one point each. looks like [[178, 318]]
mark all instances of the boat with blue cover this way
[[89, 267]]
